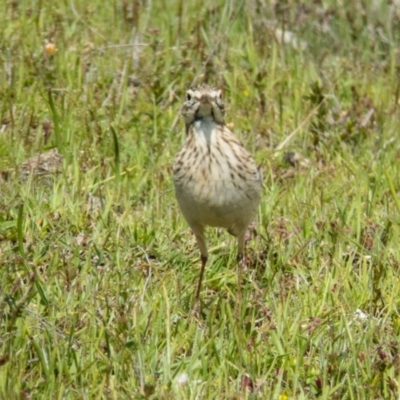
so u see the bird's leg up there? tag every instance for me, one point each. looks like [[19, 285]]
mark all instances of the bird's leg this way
[[199, 233], [197, 297], [240, 261]]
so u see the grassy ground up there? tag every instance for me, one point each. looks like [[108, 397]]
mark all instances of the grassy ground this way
[[98, 268]]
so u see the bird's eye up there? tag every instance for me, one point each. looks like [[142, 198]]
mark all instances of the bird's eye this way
[[188, 97]]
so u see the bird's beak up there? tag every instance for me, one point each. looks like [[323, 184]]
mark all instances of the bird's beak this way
[[205, 99]]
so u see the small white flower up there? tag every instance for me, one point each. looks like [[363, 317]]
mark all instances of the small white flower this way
[[358, 314], [182, 378]]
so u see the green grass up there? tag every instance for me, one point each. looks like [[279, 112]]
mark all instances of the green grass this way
[[98, 268]]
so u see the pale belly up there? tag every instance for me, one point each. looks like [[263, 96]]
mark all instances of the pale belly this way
[[221, 203]]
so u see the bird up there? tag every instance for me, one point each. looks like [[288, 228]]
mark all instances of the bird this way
[[217, 182]]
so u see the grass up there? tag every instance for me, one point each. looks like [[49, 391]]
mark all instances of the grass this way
[[98, 268]]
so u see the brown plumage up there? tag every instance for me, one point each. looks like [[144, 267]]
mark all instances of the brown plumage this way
[[217, 182]]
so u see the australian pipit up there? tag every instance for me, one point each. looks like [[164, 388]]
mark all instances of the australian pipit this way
[[217, 182]]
